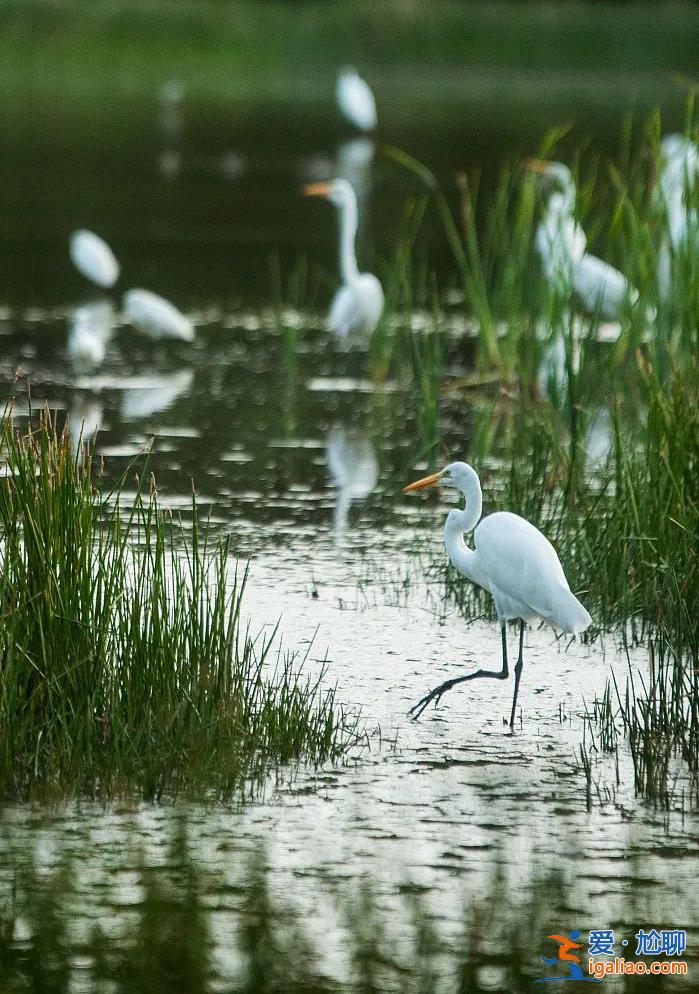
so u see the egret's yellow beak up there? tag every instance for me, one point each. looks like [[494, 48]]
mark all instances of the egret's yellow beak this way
[[537, 165], [426, 481], [317, 189]]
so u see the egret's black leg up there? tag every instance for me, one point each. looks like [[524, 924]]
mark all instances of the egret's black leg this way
[[435, 695], [519, 666]]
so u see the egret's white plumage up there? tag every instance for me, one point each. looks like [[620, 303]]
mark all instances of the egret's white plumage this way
[[92, 256], [355, 99], [513, 561], [560, 243], [601, 288], [358, 304], [156, 317], [562, 249], [678, 175]]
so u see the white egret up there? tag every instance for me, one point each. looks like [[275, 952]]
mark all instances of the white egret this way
[[156, 317], [514, 562], [355, 99], [88, 334], [678, 175], [561, 245], [358, 304], [93, 258]]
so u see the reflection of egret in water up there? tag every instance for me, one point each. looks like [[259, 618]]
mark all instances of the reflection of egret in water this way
[[84, 421], [355, 159], [599, 438], [89, 331], [152, 394], [171, 124], [169, 163], [354, 472], [232, 165], [559, 357]]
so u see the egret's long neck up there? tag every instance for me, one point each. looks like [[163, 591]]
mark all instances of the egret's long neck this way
[[348, 231], [459, 523]]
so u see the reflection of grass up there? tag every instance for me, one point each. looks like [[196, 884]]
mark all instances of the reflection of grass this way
[[191, 932], [427, 357], [124, 664]]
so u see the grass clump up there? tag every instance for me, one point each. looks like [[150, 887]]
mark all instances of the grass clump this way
[[124, 665]]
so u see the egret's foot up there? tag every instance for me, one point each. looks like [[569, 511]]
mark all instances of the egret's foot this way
[[434, 695]]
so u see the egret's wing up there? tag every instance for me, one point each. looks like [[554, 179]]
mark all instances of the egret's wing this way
[[600, 287], [521, 563]]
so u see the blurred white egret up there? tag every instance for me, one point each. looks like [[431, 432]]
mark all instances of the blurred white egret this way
[[355, 99], [354, 471], [561, 245], [88, 334], [93, 258], [678, 175], [514, 562], [358, 304], [156, 317]]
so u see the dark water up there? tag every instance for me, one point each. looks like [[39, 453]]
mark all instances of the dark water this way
[[203, 202]]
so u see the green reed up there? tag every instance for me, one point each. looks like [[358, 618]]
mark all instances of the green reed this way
[[190, 931], [124, 662]]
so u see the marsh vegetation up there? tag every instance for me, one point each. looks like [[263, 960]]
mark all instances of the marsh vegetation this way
[[125, 665]]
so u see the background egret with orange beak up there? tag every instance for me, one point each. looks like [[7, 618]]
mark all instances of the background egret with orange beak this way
[[358, 304], [514, 562]]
